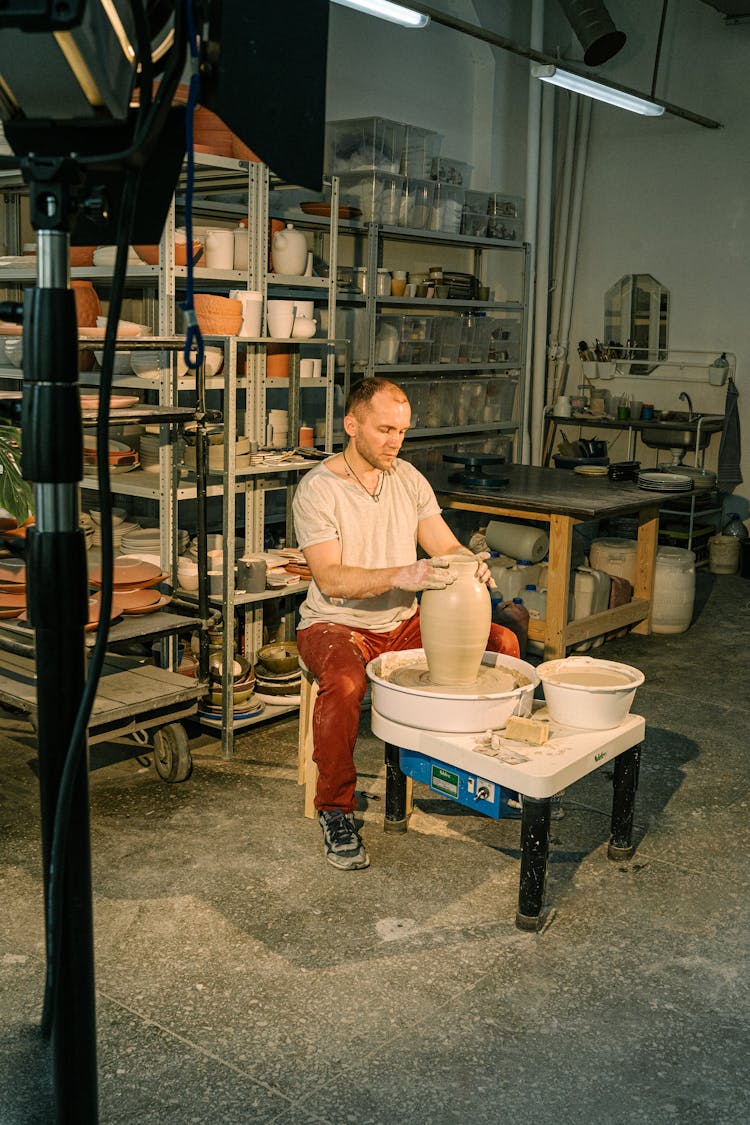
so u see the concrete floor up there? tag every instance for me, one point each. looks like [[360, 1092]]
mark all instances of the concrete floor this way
[[241, 979]]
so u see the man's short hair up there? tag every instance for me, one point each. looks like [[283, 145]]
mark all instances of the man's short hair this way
[[362, 393]]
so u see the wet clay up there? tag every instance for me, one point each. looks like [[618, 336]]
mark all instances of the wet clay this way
[[490, 681], [603, 679]]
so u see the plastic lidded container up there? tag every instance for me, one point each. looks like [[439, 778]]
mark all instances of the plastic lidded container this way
[[447, 208], [364, 143], [505, 217], [451, 171], [377, 194], [474, 217], [421, 147], [674, 590], [416, 204]]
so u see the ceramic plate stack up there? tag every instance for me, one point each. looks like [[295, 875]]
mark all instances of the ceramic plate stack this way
[[118, 531], [146, 540], [148, 446], [702, 478], [245, 703], [278, 677], [656, 481]]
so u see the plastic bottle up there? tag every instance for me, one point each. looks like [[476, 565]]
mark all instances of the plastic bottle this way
[[514, 616], [536, 602], [734, 526]]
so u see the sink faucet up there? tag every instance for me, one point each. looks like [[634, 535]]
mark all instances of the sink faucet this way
[[685, 397]]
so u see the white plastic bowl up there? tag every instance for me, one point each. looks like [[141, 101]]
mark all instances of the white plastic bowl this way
[[587, 693], [446, 710]]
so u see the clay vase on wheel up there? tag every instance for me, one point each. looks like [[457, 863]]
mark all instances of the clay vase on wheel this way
[[455, 624]]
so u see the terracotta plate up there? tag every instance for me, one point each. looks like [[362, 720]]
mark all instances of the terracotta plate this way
[[324, 210]]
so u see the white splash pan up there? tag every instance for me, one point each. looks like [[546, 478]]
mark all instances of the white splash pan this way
[[445, 711]]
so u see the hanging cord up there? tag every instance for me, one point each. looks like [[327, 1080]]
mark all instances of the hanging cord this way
[[657, 56], [193, 352]]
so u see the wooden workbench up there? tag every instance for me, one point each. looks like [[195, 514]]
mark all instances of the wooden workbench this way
[[563, 499]]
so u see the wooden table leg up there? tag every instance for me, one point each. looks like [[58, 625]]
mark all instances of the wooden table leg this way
[[558, 584], [648, 537], [534, 854]]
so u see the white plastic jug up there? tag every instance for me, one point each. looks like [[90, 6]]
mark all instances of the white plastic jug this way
[[674, 590], [615, 556], [591, 596]]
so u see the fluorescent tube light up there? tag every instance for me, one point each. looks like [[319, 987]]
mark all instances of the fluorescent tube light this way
[[598, 90], [385, 10]]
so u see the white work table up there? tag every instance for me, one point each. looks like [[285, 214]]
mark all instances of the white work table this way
[[536, 772]]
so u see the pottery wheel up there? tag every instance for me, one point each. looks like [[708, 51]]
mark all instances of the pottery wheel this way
[[490, 681]]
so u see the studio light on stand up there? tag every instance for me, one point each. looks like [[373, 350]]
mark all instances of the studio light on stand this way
[[86, 92]]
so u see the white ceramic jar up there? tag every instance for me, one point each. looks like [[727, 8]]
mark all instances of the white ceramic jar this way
[[289, 251]]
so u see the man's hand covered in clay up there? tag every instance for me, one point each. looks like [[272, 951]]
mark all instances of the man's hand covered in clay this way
[[425, 574]]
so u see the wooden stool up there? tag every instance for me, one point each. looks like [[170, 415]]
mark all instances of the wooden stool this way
[[307, 771]]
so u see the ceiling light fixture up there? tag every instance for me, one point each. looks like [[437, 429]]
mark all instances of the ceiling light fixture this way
[[597, 90], [385, 10]]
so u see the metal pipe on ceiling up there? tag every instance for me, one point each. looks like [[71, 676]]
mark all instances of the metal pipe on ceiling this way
[[595, 30], [505, 44]]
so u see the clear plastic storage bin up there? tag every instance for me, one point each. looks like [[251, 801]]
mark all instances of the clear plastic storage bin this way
[[498, 404], [475, 337], [474, 217], [377, 194], [505, 217], [505, 341], [421, 148], [447, 208], [364, 143], [404, 339], [416, 204], [447, 333], [450, 171]]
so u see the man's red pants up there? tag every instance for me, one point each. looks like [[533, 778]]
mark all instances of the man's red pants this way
[[336, 656]]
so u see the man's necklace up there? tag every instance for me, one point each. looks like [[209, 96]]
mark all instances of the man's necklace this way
[[373, 495]]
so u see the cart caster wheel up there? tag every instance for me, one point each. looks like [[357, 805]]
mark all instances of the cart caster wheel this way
[[172, 759]]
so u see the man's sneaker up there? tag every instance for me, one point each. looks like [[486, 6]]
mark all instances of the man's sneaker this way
[[343, 847]]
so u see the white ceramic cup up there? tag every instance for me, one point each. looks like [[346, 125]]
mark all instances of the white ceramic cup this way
[[252, 310], [280, 324], [307, 368], [219, 249], [317, 368], [305, 308], [279, 439]]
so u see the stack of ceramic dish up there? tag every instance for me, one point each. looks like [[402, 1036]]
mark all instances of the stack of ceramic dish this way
[[119, 529], [148, 449], [245, 703], [88, 527], [146, 540], [12, 588], [278, 676], [146, 364], [701, 478], [133, 585], [121, 457], [656, 481]]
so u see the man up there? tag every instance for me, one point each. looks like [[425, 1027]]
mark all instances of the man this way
[[359, 517]]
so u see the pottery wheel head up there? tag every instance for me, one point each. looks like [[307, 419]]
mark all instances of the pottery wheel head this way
[[490, 681]]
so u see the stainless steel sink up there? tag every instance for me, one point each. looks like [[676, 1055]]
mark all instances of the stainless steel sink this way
[[678, 429]]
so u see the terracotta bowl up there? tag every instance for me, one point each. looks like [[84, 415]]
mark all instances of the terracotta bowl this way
[[82, 255], [217, 306], [220, 325], [180, 252], [148, 254]]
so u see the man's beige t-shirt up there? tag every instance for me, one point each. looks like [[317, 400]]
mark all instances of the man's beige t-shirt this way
[[371, 534]]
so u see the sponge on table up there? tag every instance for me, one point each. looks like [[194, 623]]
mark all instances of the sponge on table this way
[[533, 731]]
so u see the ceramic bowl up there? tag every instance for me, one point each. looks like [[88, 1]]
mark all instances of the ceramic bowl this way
[[219, 325], [118, 516], [280, 657], [146, 364]]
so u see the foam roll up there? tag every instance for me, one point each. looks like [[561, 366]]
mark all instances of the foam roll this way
[[518, 540]]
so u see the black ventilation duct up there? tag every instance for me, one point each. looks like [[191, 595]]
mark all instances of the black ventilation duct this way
[[594, 29]]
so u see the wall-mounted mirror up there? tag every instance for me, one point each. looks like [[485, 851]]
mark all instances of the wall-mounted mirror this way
[[636, 320]]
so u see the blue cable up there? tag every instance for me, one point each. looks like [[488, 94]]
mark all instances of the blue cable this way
[[193, 352]]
